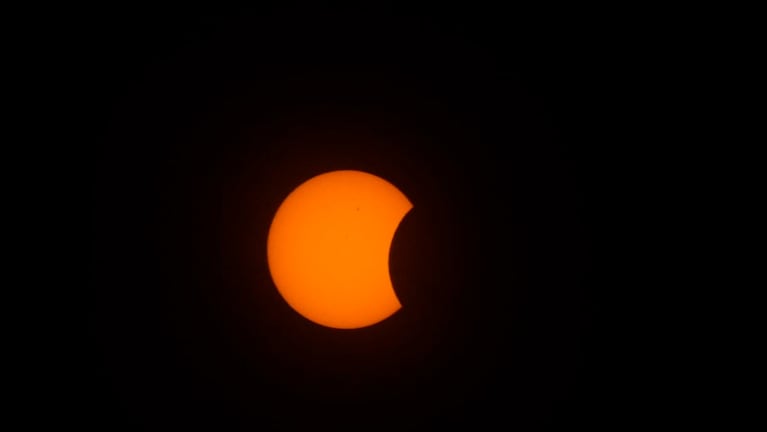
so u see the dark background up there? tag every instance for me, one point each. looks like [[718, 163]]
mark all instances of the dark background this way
[[501, 126]]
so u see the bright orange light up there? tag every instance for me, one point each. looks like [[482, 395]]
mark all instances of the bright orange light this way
[[328, 248]]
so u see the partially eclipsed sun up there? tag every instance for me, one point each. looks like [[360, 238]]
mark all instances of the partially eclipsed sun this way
[[328, 248]]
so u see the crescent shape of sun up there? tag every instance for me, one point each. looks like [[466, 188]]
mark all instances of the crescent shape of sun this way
[[328, 248]]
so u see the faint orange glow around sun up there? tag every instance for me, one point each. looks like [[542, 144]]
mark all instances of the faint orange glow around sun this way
[[328, 248]]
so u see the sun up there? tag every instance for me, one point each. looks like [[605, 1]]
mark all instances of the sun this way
[[328, 248]]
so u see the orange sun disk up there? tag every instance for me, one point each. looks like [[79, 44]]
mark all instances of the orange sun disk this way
[[328, 248]]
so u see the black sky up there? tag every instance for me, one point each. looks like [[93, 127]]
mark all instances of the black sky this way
[[499, 125]]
